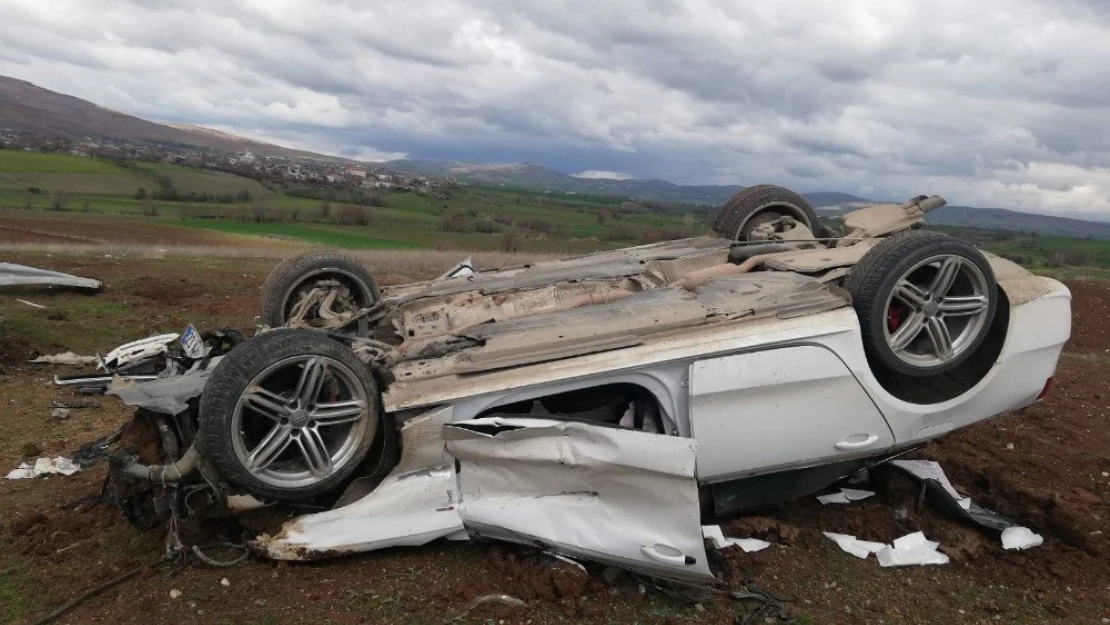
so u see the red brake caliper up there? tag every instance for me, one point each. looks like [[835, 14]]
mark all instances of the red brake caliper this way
[[894, 318]]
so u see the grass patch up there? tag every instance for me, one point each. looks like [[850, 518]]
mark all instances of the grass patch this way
[[20, 593], [82, 323]]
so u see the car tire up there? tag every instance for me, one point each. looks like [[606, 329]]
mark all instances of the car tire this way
[[753, 206], [297, 274], [925, 302], [289, 415]]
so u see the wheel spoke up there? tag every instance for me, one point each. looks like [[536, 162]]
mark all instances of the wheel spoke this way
[[911, 294], [946, 276], [963, 305], [940, 338], [909, 331], [312, 379], [270, 448], [337, 413], [267, 403], [315, 452]]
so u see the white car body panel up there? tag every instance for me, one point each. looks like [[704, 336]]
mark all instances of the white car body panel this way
[[778, 407]]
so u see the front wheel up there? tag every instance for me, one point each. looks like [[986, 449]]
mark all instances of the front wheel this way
[[289, 415]]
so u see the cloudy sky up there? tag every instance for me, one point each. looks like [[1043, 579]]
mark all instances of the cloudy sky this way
[[991, 103]]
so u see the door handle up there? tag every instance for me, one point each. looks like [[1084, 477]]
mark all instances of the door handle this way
[[848, 444], [667, 555]]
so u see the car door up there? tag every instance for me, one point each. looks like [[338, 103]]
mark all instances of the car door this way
[[626, 497], [774, 409]]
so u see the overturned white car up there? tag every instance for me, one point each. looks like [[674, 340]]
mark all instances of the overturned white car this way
[[601, 406]]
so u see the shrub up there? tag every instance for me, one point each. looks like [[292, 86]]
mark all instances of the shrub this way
[[453, 222], [487, 225], [511, 241], [352, 215]]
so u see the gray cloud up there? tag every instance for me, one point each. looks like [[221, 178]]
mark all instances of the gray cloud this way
[[999, 102]]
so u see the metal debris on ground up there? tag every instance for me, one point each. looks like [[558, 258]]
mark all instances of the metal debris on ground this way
[[939, 491], [22, 275], [498, 597], [65, 358], [912, 549], [76, 404], [1020, 538], [714, 534], [44, 466], [31, 304], [846, 495]]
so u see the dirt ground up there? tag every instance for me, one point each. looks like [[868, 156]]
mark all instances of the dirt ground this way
[[1048, 467], [79, 229]]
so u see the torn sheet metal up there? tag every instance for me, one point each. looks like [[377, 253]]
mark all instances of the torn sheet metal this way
[[415, 504], [624, 497], [22, 275], [167, 395], [929, 470], [947, 500], [713, 534], [44, 466]]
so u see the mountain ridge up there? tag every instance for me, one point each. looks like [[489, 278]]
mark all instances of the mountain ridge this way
[[26, 107]]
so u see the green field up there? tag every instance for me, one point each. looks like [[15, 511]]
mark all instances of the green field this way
[[456, 218], [89, 178]]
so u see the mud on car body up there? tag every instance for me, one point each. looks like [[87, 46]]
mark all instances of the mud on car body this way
[[604, 405]]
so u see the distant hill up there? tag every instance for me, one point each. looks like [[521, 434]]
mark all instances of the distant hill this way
[[25, 107], [540, 178]]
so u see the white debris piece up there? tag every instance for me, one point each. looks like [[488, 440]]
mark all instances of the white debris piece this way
[[851, 544], [65, 358], [31, 304], [907, 550], [44, 466], [911, 549], [175, 593], [1020, 538], [846, 495], [930, 470], [749, 545]]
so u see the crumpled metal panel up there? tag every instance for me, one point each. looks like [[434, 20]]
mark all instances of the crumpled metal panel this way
[[609, 494], [22, 275], [169, 395], [415, 504]]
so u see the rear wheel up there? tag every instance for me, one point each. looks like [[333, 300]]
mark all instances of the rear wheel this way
[[320, 289], [289, 415], [755, 206], [925, 302]]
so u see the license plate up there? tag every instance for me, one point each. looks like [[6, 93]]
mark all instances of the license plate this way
[[192, 343]]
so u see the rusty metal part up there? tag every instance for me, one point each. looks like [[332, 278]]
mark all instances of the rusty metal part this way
[[886, 219], [164, 473]]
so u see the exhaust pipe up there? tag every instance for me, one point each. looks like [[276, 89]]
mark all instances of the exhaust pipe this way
[[163, 473]]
